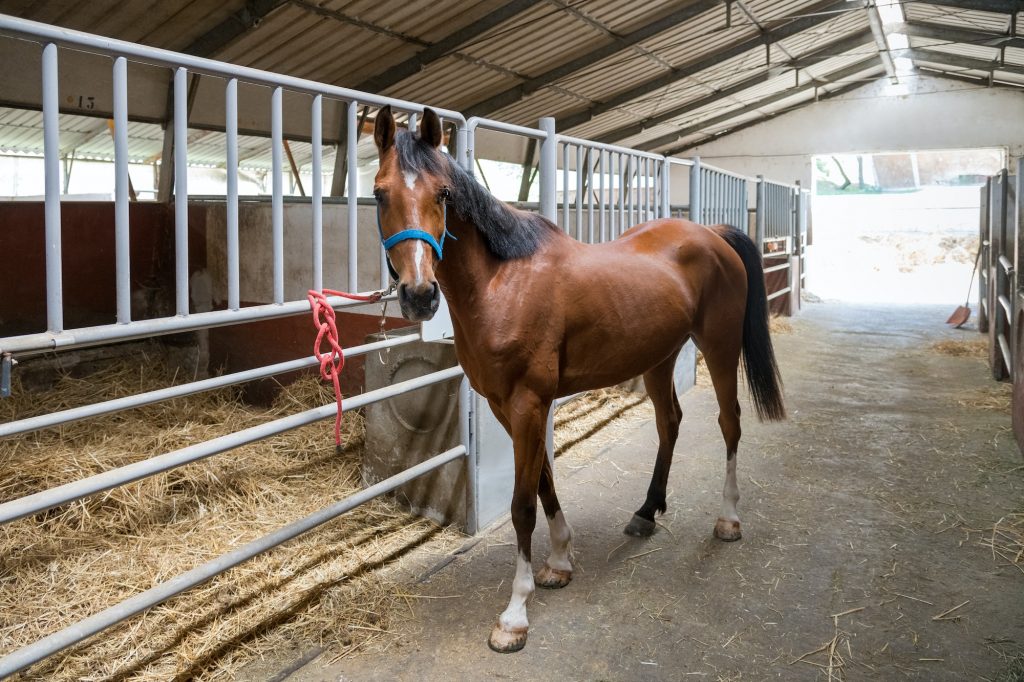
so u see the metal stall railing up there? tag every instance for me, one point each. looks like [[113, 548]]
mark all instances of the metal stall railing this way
[[593, 191], [984, 282], [776, 230], [717, 196], [58, 337], [1001, 271]]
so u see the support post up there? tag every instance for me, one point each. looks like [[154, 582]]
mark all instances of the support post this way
[[696, 205], [51, 175], [549, 170], [759, 215]]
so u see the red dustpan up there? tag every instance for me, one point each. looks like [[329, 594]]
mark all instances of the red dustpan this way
[[963, 313]]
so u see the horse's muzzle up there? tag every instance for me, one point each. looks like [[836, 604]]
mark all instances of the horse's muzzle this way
[[419, 301]]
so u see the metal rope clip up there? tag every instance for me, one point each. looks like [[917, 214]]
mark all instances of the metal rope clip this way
[[383, 320]]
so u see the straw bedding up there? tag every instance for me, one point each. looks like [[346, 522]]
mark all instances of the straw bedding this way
[[333, 586]]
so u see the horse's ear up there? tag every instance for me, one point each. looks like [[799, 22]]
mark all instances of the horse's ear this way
[[384, 129], [430, 128]]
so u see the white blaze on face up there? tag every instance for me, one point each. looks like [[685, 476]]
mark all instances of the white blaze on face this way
[[514, 616], [417, 257], [410, 179], [731, 492]]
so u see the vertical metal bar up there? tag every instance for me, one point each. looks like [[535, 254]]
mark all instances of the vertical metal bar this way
[[695, 203], [620, 172], [602, 201], [51, 167], [590, 196], [759, 214], [565, 186], [548, 169], [627, 189], [181, 190], [629, 221], [316, 125], [1018, 248], [579, 192], [277, 189], [352, 199], [231, 130], [122, 257], [666, 189]]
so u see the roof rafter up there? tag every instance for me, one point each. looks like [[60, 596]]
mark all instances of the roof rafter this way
[[846, 72], [817, 56], [618, 44], [761, 119], [880, 40], [959, 61], [443, 47], [999, 6], [955, 34], [807, 18], [245, 19]]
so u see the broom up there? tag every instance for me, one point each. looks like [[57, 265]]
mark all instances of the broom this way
[[963, 313]]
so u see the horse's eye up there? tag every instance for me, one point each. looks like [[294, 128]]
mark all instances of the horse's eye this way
[[445, 194], [378, 194]]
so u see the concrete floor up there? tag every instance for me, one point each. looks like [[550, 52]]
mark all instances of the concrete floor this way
[[871, 502]]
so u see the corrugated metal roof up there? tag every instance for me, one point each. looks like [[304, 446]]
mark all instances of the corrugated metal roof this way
[[349, 41]]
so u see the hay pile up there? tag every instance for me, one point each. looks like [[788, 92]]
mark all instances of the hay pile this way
[[585, 419], [63, 565], [974, 348], [997, 396], [1006, 540]]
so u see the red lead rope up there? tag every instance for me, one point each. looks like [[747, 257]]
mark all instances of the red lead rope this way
[[332, 361]]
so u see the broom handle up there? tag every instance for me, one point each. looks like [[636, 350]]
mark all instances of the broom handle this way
[[970, 286]]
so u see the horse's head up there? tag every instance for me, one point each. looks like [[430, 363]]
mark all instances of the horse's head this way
[[411, 189]]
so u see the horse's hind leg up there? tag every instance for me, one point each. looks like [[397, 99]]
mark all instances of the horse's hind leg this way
[[667, 415], [557, 570], [723, 364]]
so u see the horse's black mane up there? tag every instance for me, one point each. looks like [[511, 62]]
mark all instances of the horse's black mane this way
[[508, 233]]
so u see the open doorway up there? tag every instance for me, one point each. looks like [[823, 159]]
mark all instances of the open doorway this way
[[897, 227]]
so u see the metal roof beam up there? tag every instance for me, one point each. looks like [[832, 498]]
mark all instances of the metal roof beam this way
[[805, 19], [825, 52], [959, 61], [218, 37], [999, 6], [845, 72], [955, 34], [880, 41], [443, 47], [761, 119], [618, 44], [974, 80]]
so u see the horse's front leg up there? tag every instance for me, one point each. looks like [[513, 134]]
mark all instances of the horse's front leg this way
[[526, 414]]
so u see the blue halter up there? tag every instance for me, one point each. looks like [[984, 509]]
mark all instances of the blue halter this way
[[414, 233]]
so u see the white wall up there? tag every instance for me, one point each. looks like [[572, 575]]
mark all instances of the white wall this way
[[920, 113]]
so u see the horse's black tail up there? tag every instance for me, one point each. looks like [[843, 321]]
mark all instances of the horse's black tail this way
[[759, 363]]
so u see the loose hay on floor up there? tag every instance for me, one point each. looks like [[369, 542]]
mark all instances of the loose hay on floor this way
[[973, 348], [324, 588], [997, 396], [61, 566]]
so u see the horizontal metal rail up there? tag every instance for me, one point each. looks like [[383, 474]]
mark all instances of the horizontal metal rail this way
[[38, 32], [74, 414], [569, 139], [91, 336], [1006, 264], [774, 268], [1004, 349], [76, 490], [1006, 305], [778, 293], [83, 629], [568, 399], [476, 122]]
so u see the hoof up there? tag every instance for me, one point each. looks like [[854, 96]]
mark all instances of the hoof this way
[[507, 641], [552, 578], [727, 530], [640, 527]]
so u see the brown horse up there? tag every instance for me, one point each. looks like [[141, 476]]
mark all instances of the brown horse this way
[[538, 315]]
